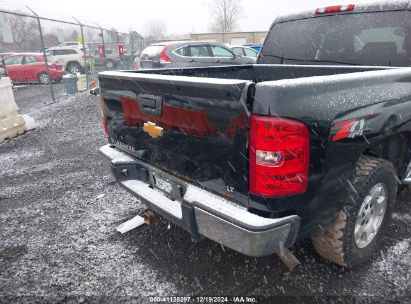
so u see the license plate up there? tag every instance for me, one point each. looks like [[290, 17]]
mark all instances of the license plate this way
[[163, 184]]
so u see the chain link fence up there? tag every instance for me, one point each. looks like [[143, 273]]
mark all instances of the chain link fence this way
[[39, 51]]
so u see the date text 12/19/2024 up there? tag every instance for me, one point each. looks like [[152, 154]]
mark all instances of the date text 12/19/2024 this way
[[203, 299]]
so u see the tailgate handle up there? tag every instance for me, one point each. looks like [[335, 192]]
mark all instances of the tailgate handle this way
[[149, 104]]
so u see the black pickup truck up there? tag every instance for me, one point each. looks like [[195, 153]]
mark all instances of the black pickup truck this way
[[313, 141]]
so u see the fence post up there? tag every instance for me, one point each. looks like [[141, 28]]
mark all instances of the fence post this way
[[102, 39], [44, 53], [84, 47]]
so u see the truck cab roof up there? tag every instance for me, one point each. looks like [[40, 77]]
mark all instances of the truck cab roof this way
[[377, 33], [373, 6]]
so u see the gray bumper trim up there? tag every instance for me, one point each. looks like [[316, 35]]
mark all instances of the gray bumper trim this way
[[215, 217]]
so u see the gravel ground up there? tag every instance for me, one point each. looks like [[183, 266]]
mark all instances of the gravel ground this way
[[59, 206]]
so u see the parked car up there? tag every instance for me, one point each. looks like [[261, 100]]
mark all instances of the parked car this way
[[243, 51], [111, 60], [72, 58], [188, 54], [71, 44], [31, 67], [310, 142]]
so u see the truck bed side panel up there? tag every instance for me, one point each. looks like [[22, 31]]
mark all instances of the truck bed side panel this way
[[322, 103]]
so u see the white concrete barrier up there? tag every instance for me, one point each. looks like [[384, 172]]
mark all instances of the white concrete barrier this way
[[11, 123], [81, 83]]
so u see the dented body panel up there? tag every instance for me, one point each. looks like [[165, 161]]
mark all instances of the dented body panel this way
[[192, 126]]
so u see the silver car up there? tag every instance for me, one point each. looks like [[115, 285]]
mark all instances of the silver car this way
[[180, 54], [243, 51]]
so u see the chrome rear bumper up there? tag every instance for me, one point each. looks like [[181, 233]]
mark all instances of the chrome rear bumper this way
[[201, 212]]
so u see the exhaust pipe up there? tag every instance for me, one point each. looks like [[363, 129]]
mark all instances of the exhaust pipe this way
[[150, 217], [135, 222]]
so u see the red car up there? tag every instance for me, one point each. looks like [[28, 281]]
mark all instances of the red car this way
[[30, 67]]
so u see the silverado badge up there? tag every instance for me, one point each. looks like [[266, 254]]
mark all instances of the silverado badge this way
[[152, 129]]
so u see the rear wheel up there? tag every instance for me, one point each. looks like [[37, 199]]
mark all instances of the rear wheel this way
[[74, 68], [110, 64], [356, 234], [44, 78]]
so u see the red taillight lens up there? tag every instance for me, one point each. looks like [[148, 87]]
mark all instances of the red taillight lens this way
[[335, 9], [103, 116], [279, 156], [163, 57]]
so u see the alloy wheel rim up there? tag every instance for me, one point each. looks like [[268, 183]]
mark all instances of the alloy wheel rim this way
[[371, 215], [74, 69], [44, 79]]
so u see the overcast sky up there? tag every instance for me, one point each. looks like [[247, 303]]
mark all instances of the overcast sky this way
[[180, 16]]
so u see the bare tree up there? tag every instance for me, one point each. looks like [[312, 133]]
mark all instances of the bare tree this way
[[225, 15], [156, 30], [25, 32]]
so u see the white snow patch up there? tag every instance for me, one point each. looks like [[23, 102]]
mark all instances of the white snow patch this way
[[391, 258], [171, 78], [30, 123], [403, 217]]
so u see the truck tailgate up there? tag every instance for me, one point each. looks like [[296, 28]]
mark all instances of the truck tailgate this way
[[194, 128]]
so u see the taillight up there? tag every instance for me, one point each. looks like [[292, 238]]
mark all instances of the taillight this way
[[279, 156], [103, 116], [335, 9], [163, 57]]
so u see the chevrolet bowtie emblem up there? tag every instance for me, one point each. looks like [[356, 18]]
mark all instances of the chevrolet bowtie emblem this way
[[152, 129]]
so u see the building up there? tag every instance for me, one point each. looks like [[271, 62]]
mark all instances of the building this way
[[237, 38]]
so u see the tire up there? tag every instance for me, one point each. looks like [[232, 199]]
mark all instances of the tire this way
[[110, 64], [346, 241], [74, 68], [43, 78]]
